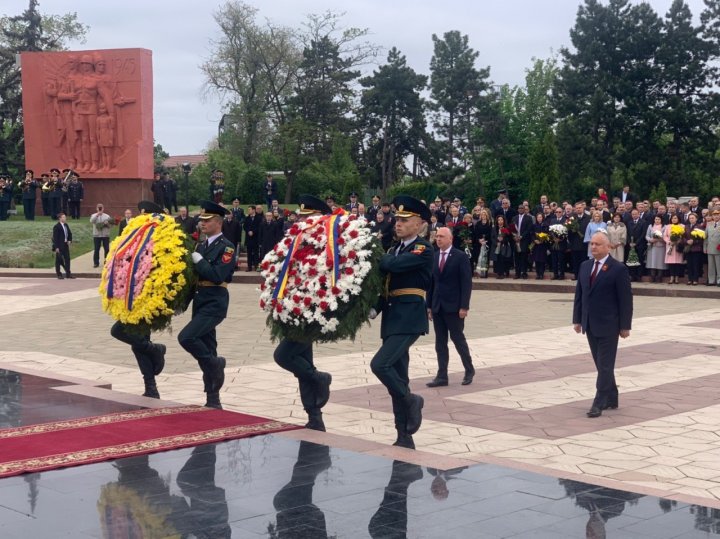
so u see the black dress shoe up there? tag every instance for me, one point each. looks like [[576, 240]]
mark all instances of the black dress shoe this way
[[213, 400], [315, 421], [158, 357], [70, 276], [404, 440], [467, 380], [594, 412], [60, 277], [414, 406], [437, 382]]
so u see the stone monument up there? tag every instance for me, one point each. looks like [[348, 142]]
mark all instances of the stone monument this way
[[92, 111]]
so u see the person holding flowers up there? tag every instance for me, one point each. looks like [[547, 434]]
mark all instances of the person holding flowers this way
[[297, 356], [146, 279], [655, 261], [674, 235], [539, 245], [408, 275], [214, 261], [694, 240], [558, 236], [482, 232], [502, 245]]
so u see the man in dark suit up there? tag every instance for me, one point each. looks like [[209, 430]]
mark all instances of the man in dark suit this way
[[407, 269], [125, 220], [271, 190], [636, 239], [251, 227], [626, 196], [576, 239], [215, 261], [61, 240], [603, 310], [523, 237], [448, 304]]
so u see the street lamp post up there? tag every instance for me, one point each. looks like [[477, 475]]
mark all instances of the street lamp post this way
[[186, 167]]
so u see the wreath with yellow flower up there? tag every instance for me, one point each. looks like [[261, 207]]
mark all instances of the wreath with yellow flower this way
[[148, 274]]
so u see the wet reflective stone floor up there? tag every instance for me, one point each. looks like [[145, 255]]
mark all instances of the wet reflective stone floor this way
[[276, 486]]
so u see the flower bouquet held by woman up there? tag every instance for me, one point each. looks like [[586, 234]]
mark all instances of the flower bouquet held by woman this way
[[677, 233], [319, 280], [558, 233]]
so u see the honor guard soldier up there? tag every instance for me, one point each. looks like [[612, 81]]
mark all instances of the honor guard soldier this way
[[6, 192], [297, 357], [215, 260], [29, 187], [150, 356], [407, 268]]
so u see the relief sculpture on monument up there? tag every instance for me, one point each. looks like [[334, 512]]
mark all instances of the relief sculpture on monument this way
[[90, 111]]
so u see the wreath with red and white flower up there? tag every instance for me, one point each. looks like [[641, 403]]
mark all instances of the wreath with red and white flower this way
[[321, 280]]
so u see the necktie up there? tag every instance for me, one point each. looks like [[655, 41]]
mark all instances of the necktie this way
[[442, 261], [400, 249], [519, 224], [65, 231], [594, 272]]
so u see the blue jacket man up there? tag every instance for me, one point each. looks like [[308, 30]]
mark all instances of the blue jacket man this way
[[448, 305], [603, 310]]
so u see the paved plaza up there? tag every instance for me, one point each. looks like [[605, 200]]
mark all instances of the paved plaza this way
[[525, 410]]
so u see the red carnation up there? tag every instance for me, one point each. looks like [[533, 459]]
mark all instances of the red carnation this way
[[349, 271], [279, 307], [341, 241], [262, 304], [288, 241], [296, 298], [324, 305], [343, 260], [336, 291], [345, 225], [298, 281], [322, 279], [311, 261], [307, 301], [352, 255], [265, 265], [354, 234], [293, 231], [321, 293], [262, 286], [352, 217], [312, 272], [296, 311]]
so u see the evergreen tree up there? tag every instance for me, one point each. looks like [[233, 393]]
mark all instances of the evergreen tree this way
[[543, 168], [392, 112]]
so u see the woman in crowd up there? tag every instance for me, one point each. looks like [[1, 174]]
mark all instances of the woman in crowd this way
[[502, 246], [482, 237], [617, 232], [674, 251], [694, 248], [655, 261], [595, 224], [540, 246]]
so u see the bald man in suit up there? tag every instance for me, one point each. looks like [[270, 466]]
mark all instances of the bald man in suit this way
[[603, 310]]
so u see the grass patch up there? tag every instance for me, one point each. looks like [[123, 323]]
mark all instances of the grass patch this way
[[27, 244]]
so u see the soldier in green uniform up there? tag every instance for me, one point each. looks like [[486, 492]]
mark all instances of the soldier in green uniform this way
[[408, 273], [214, 260], [150, 356], [297, 357]]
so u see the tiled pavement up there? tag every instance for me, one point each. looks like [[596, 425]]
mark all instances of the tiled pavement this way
[[525, 409]]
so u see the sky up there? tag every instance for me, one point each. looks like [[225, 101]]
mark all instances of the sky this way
[[506, 33]]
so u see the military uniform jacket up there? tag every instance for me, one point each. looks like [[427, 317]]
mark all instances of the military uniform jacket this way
[[412, 268], [76, 191], [29, 190], [6, 193], [216, 267]]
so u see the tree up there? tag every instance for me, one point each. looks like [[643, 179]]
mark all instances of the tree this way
[[29, 32], [392, 112], [159, 155], [688, 109], [455, 85], [253, 68], [543, 168]]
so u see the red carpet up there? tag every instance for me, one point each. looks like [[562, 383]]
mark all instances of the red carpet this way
[[93, 439]]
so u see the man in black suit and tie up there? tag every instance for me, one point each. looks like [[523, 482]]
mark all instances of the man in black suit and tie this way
[[448, 304], [61, 240], [603, 311], [523, 236]]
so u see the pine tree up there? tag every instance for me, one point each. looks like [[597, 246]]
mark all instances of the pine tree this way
[[543, 168]]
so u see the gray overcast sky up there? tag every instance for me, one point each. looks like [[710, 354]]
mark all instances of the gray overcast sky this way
[[507, 33]]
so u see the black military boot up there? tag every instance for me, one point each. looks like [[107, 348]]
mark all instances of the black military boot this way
[[213, 400], [157, 355], [413, 408], [322, 381], [216, 374], [315, 421], [404, 440], [151, 389]]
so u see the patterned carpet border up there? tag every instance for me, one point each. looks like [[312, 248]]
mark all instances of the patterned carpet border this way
[[32, 437]]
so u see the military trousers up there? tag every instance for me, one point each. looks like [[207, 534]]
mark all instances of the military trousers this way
[[297, 357], [390, 365]]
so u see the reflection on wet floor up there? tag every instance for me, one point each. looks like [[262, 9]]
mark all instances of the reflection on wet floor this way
[[277, 487]]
